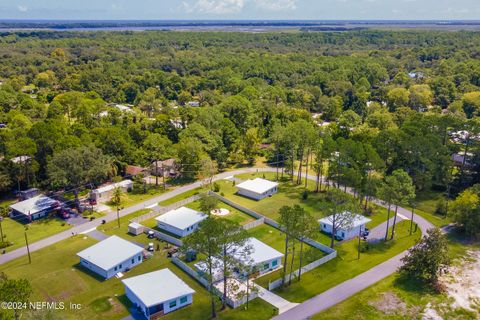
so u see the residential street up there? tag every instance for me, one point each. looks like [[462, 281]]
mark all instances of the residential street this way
[[302, 311]]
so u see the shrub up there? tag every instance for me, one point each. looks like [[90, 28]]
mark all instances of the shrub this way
[[305, 195], [222, 194], [441, 207], [216, 187]]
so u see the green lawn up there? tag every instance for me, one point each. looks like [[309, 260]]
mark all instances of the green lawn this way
[[181, 196], [56, 276], [234, 215], [134, 197], [14, 231], [276, 239], [346, 265], [288, 194], [111, 226], [411, 298]]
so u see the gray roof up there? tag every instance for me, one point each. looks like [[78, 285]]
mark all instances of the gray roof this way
[[157, 287], [110, 252], [257, 185], [357, 219], [259, 252], [34, 205], [182, 217]]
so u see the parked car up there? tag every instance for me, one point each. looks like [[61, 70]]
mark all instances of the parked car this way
[[150, 247], [151, 234]]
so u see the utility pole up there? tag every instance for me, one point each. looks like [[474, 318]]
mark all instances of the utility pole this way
[[28, 248], [411, 220], [1, 230], [163, 176], [359, 243]]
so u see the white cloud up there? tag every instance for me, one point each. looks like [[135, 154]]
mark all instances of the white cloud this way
[[276, 5], [214, 6], [235, 6], [22, 8]]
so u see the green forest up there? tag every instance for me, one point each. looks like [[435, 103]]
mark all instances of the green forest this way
[[353, 106]]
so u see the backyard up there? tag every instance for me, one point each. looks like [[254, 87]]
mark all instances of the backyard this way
[[56, 276]]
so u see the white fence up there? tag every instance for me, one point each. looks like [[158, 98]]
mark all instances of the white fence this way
[[233, 303], [165, 237], [254, 224], [277, 283], [161, 210]]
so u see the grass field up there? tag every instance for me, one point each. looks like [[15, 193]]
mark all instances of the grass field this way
[[181, 196], [14, 231], [408, 297], [131, 198], [346, 265], [56, 276], [289, 194], [234, 215]]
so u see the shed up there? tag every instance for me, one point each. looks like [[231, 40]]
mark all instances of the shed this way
[[181, 222], [135, 228], [157, 293], [257, 189], [111, 256]]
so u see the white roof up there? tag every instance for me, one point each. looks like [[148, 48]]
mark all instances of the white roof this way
[[122, 184], [157, 287], [20, 159], [135, 225], [357, 220], [259, 252], [257, 185], [182, 217], [34, 205], [110, 252]]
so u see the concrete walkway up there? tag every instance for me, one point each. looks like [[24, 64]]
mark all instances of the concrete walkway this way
[[97, 235], [275, 300]]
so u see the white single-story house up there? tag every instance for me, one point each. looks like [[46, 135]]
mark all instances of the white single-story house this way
[[181, 222], [34, 208], [104, 194], [158, 293], [111, 256], [347, 227], [259, 256], [257, 188]]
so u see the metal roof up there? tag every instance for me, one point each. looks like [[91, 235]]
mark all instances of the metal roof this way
[[34, 205], [157, 287], [110, 252], [182, 217], [357, 220], [257, 185]]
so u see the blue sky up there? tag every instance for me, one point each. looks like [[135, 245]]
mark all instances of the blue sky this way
[[239, 9]]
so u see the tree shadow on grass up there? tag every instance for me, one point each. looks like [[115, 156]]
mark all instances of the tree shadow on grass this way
[[413, 285]]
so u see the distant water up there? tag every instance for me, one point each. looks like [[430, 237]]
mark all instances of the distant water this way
[[230, 25]]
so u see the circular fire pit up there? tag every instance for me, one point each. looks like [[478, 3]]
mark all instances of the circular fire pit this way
[[220, 212]]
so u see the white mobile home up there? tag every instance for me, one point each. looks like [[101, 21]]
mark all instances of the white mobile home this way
[[180, 222], [111, 256], [347, 227], [158, 293], [34, 208], [104, 194], [257, 189]]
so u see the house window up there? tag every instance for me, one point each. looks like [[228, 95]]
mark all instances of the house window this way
[[115, 269], [266, 266], [172, 304], [133, 261], [183, 300], [274, 263], [120, 267], [139, 258]]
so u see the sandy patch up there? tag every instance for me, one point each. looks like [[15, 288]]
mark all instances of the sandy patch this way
[[390, 304], [430, 314], [220, 212], [462, 282]]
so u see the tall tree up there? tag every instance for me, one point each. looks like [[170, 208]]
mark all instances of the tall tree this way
[[403, 192]]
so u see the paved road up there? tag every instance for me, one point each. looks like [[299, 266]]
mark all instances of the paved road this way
[[304, 310], [350, 287], [110, 216]]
